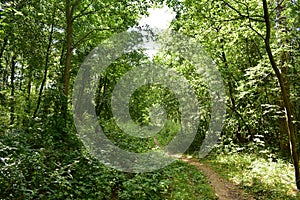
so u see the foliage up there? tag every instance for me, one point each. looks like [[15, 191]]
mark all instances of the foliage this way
[[177, 181], [231, 32], [43, 43], [54, 170], [49, 171], [260, 175]]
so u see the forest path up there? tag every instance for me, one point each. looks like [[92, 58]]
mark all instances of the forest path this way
[[224, 190]]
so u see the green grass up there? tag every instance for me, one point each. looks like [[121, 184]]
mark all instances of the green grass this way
[[189, 183], [263, 178], [177, 181]]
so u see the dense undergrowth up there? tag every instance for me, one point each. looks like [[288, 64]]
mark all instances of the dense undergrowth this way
[[40, 165], [263, 175], [43, 163]]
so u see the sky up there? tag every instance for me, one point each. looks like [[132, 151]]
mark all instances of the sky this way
[[158, 18]]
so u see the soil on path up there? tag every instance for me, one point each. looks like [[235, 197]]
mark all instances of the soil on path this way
[[224, 190]]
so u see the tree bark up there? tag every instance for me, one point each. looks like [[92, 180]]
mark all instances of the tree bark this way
[[2, 69], [29, 91], [233, 108], [12, 93], [284, 95], [70, 7], [45, 70], [282, 65]]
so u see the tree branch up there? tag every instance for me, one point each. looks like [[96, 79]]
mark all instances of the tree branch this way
[[277, 6], [84, 13], [74, 5], [250, 25], [242, 15], [86, 35], [229, 20], [84, 9]]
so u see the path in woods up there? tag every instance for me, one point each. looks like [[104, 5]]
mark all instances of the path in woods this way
[[224, 190]]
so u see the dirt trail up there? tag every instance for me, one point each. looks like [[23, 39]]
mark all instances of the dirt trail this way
[[223, 189]]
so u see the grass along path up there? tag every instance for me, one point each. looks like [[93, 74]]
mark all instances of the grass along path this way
[[266, 177], [224, 190]]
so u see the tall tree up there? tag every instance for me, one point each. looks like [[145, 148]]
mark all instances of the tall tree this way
[[46, 66], [70, 8], [247, 26], [94, 21], [284, 96]]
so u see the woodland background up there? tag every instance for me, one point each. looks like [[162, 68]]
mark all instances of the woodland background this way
[[255, 45]]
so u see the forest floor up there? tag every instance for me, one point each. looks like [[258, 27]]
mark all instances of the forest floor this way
[[224, 189]]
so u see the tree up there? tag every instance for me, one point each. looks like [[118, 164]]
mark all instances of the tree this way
[[49, 49], [284, 95], [248, 67], [107, 17]]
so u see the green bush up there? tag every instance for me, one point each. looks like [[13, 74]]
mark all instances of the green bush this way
[[36, 165]]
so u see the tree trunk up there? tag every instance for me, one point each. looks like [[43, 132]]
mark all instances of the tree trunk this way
[[12, 93], [241, 138], [284, 95], [45, 70], [2, 69], [280, 30], [29, 92], [70, 7]]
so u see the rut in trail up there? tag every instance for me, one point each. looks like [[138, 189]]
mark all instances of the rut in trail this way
[[224, 190]]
